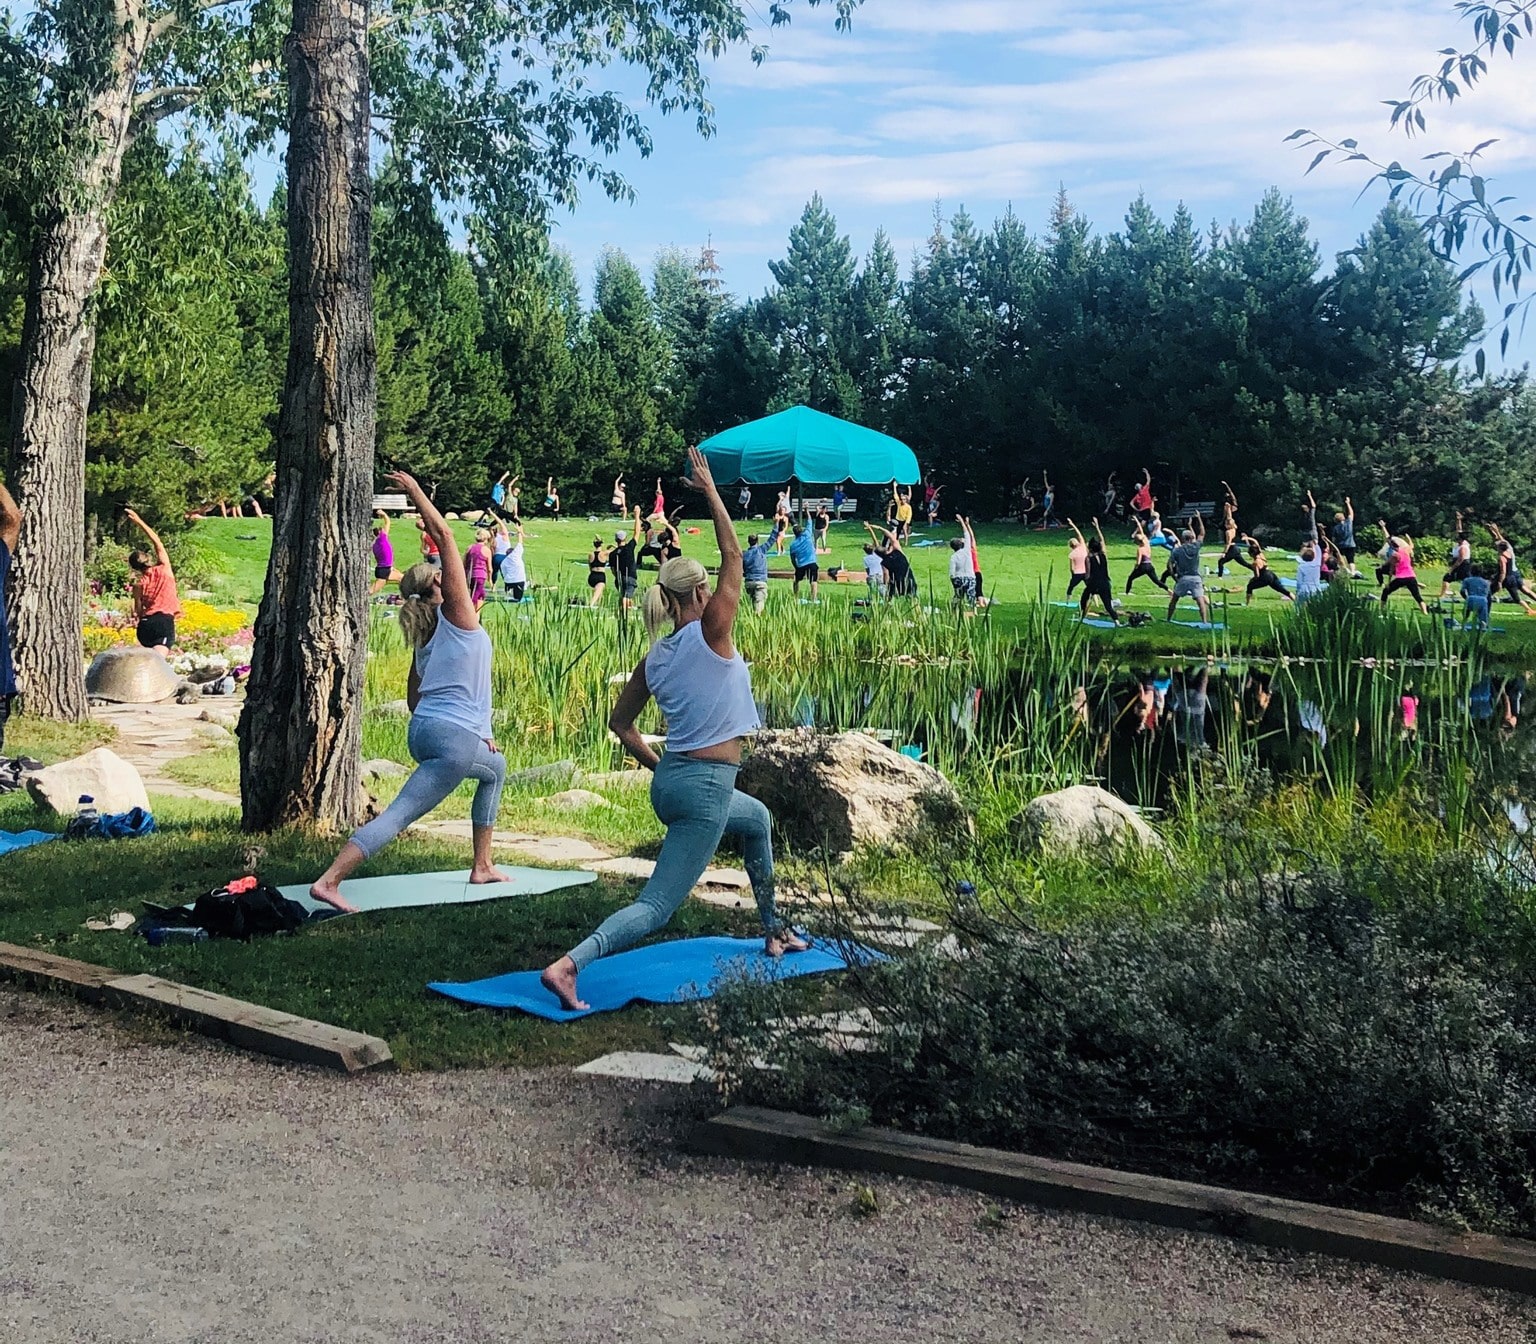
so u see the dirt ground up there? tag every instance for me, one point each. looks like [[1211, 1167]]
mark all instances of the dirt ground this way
[[159, 1188]]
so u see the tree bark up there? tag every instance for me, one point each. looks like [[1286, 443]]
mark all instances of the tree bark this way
[[301, 732], [52, 395]]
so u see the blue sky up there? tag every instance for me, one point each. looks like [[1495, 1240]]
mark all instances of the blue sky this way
[[987, 102]]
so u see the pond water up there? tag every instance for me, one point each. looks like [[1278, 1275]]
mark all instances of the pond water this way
[[1141, 730]]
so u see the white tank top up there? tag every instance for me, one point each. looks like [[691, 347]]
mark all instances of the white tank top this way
[[454, 671], [705, 699]]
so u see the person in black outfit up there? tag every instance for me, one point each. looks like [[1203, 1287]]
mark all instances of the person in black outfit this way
[[899, 579], [622, 561], [1096, 582]]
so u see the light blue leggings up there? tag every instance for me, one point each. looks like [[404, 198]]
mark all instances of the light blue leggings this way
[[446, 755], [699, 803]]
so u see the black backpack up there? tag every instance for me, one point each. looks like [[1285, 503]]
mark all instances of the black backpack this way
[[247, 914]]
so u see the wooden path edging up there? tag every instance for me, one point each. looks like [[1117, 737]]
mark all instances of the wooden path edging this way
[[246, 1025], [753, 1132]]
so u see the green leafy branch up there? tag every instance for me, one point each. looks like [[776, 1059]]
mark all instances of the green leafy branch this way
[[1452, 199]]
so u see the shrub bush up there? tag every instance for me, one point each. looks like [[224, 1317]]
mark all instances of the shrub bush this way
[[1364, 1036]]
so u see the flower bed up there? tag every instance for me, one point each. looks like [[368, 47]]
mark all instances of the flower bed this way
[[202, 629]]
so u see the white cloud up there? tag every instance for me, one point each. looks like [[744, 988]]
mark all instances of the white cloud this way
[[931, 18], [1200, 122]]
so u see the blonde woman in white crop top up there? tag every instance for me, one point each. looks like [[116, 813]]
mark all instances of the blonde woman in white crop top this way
[[449, 691], [704, 691]]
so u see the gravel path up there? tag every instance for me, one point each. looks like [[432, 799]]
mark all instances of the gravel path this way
[[170, 1190]]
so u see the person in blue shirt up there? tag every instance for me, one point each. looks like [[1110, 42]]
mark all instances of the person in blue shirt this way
[[839, 498], [754, 571], [1476, 594], [802, 550], [497, 509], [10, 529]]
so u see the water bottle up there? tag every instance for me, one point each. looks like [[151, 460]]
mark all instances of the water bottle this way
[[166, 933], [85, 810]]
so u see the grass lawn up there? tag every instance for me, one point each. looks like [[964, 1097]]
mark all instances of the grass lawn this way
[[1019, 566], [368, 972]]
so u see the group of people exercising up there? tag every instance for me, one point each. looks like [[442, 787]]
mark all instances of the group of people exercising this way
[[1325, 553]]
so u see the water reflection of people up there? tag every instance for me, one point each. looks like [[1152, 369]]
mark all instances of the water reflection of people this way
[[1311, 716], [964, 711], [1480, 700], [1511, 694], [1143, 706], [1258, 694], [1189, 701]]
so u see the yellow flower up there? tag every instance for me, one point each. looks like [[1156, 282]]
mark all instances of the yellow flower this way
[[199, 618]]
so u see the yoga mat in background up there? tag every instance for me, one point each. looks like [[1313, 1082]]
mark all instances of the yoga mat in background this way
[[1201, 625], [676, 972], [402, 891], [13, 840]]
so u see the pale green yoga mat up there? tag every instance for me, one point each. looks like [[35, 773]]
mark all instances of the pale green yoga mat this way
[[400, 891]]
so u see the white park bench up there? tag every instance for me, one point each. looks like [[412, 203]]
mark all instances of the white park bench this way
[[811, 504], [391, 503]]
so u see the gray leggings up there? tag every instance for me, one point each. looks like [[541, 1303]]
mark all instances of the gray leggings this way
[[699, 803], [446, 755]]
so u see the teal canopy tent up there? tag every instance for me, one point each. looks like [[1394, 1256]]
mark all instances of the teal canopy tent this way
[[805, 445]]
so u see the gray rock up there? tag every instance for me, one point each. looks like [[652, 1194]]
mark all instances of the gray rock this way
[[110, 780], [845, 790], [543, 774], [188, 693], [381, 767], [229, 721], [130, 675], [574, 800], [395, 709], [1085, 817]]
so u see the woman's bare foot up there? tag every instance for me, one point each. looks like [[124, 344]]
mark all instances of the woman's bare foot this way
[[479, 876], [786, 940], [560, 980], [329, 893]]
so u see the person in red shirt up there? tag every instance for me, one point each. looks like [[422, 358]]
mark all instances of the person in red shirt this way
[[156, 604], [429, 551], [1141, 501]]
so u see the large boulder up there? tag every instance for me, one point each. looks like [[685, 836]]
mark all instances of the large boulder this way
[[1085, 817], [130, 675], [845, 790], [110, 780]]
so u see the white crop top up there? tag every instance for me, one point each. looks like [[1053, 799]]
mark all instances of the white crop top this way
[[454, 671], [705, 699]]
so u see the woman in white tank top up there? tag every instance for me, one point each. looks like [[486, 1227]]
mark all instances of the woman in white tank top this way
[[449, 691], [701, 684]]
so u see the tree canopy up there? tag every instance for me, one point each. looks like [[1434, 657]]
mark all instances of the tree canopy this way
[[1204, 354]]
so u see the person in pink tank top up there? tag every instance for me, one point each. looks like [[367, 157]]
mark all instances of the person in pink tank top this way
[[1403, 574], [477, 567]]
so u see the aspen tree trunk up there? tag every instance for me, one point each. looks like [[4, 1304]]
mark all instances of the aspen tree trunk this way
[[300, 734], [53, 392]]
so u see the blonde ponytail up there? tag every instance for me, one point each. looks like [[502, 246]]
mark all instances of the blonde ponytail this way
[[418, 615], [680, 577]]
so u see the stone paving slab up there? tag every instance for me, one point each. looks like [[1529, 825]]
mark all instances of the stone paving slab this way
[[640, 1066]]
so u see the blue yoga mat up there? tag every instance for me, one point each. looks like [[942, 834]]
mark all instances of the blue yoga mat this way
[[1099, 623], [13, 840], [1201, 625], [676, 972]]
